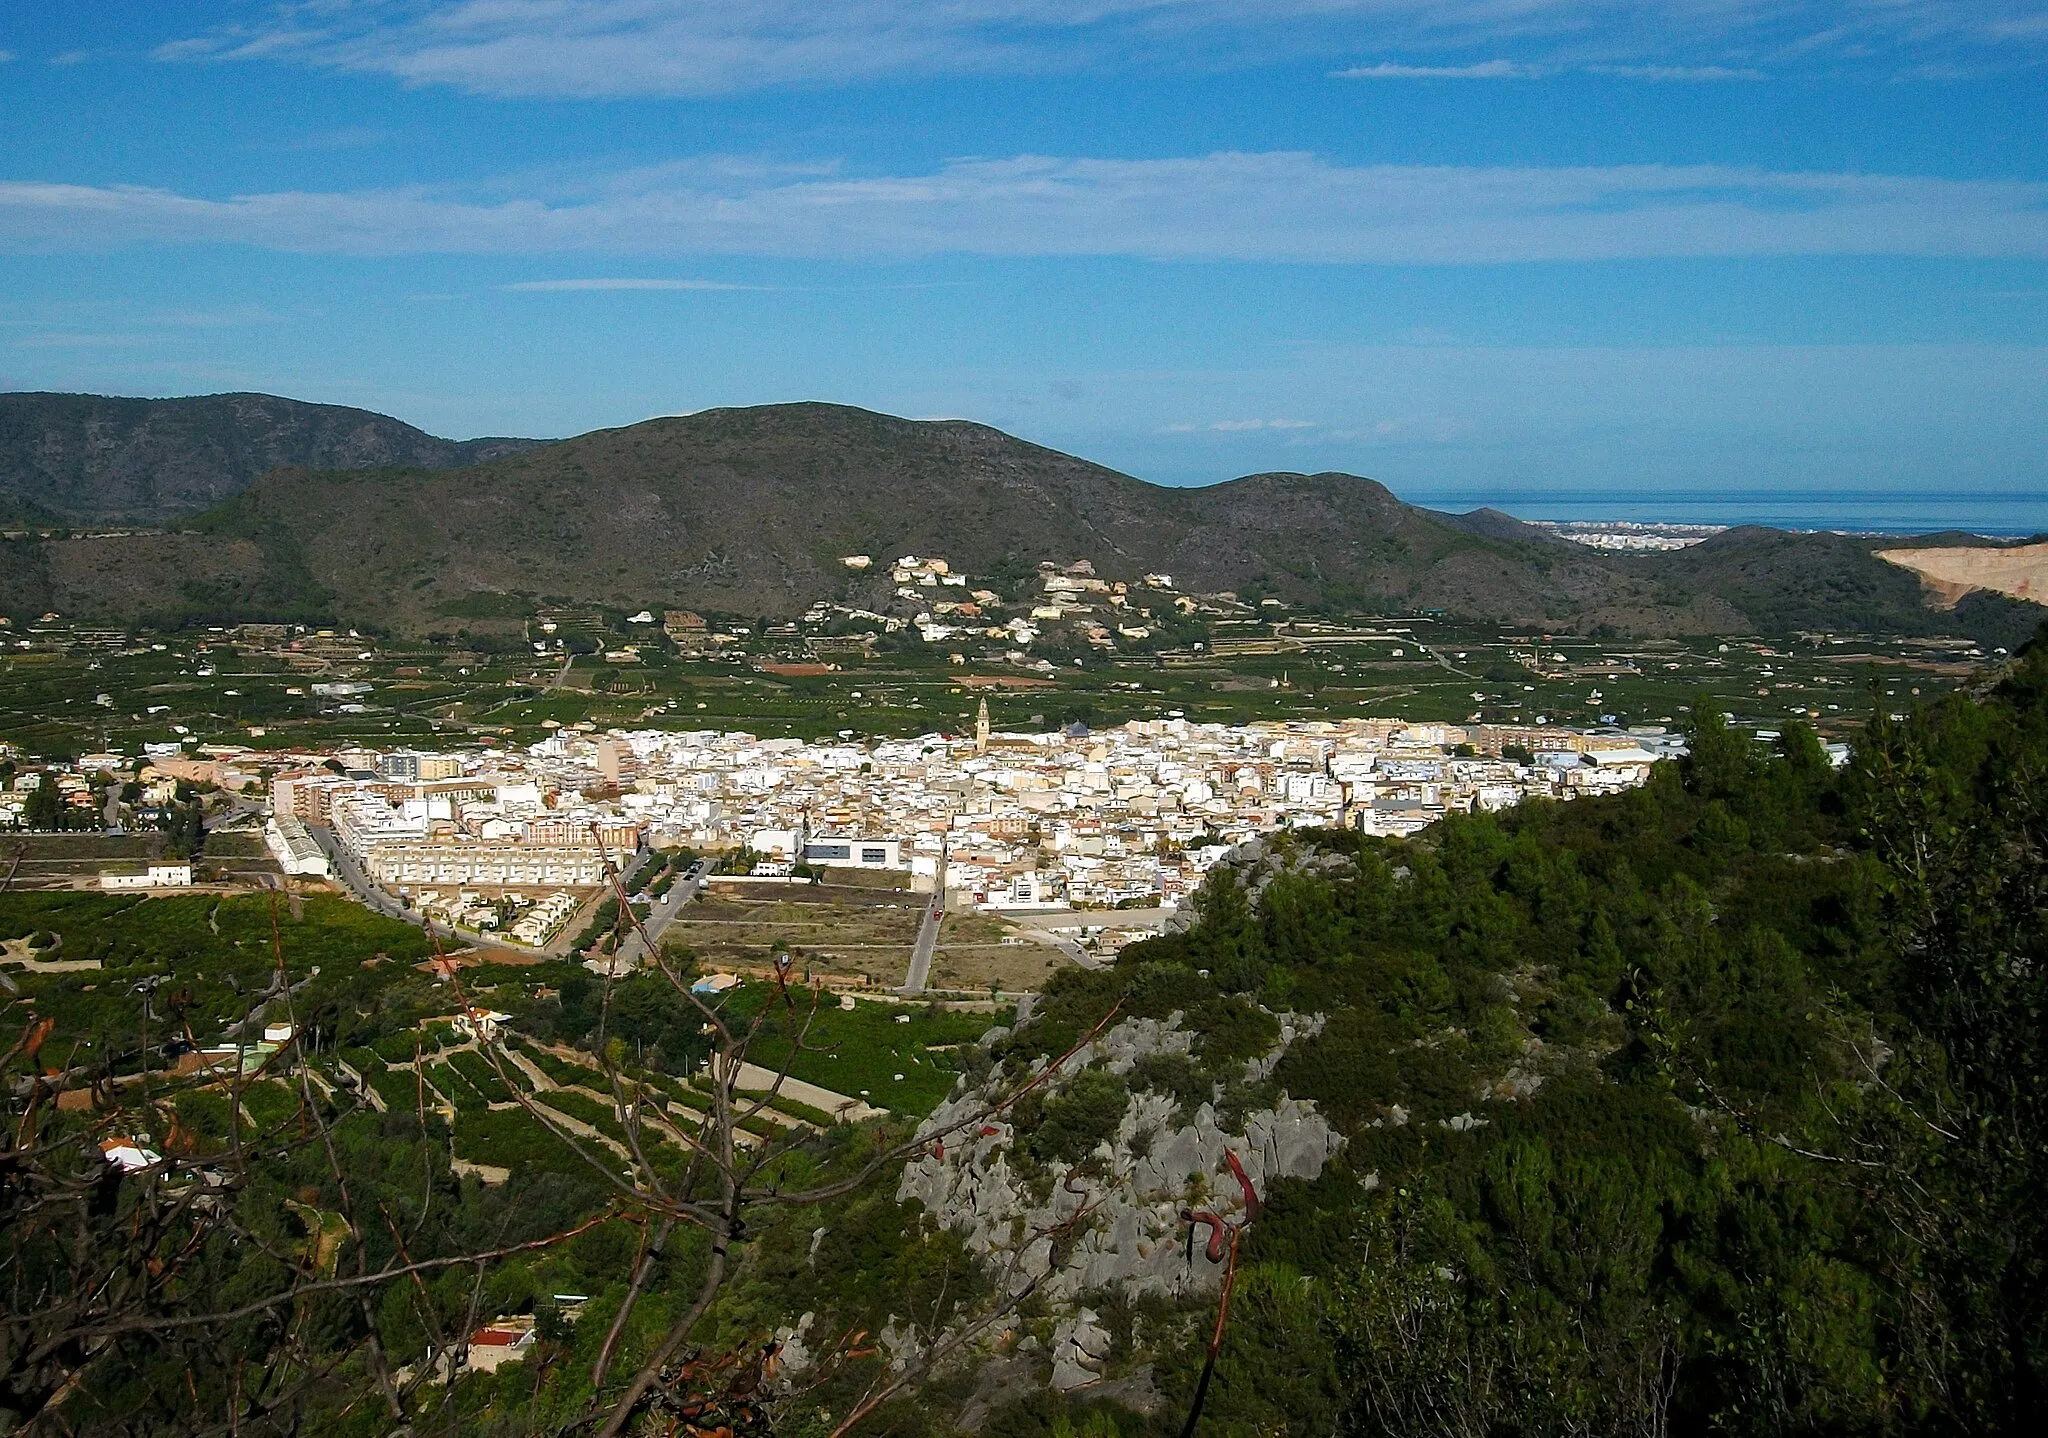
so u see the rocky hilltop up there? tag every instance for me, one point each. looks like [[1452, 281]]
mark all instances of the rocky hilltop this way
[[98, 459]]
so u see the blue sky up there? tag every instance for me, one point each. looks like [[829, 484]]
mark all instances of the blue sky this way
[[1474, 248]]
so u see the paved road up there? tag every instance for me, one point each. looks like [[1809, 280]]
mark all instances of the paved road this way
[[351, 876], [1438, 656], [664, 912], [367, 892], [1073, 950], [563, 943], [1091, 918], [1040, 926], [928, 934]]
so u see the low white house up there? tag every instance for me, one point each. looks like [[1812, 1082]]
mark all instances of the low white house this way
[[1028, 890], [506, 1340], [129, 1155], [479, 1023], [156, 876], [837, 852]]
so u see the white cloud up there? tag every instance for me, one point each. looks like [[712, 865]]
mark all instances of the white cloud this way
[[597, 48], [1273, 207], [2028, 27], [5, 56], [1484, 70], [559, 286], [233, 317], [1679, 73], [1513, 70]]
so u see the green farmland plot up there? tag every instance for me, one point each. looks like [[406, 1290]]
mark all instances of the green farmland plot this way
[[204, 959], [860, 1052]]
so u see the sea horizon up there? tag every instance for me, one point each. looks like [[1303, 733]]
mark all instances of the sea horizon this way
[[2003, 515]]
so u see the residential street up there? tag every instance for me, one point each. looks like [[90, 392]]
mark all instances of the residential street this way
[[685, 888]]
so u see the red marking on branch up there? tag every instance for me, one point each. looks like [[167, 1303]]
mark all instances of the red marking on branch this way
[[1251, 1197], [1217, 1231]]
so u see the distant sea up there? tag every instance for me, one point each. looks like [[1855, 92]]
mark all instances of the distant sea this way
[[1858, 511]]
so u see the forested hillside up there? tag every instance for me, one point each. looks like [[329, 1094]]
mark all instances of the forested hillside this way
[[1757, 1061], [1714, 1105]]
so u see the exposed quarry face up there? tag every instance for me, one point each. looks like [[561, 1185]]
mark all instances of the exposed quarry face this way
[[2020, 571]]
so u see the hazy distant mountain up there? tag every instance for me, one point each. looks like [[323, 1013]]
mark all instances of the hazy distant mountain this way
[[93, 459], [750, 511]]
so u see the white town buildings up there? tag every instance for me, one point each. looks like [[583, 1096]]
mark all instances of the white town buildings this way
[[1130, 816]]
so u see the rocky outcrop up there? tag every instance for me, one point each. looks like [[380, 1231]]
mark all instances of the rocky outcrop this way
[[1112, 1222], [1080, 1348]]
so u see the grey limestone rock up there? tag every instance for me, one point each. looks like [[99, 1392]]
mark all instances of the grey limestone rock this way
[[794, 1358], [1080, 1346], [1001, 1380], [1122, 1229], [901, 1343], [1293, 1029]]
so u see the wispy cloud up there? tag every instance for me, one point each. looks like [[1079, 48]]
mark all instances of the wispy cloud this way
[[1514, 70], [54, 341], [234, 317], [1275, 207], [1483, 70], [1684, 74], [598, 48], [71, 57], [561, 286], [5, 56]]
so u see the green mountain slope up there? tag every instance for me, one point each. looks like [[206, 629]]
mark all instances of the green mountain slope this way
[[96, 459], [1781, 582], [752, 510]]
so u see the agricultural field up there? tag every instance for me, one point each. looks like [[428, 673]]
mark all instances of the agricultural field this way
[[126, 981], [839, 932], [977, 953], [902, 1057], [71, 692], [165, 965]]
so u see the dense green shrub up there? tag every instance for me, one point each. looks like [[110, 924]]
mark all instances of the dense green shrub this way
[[1077, 1116]]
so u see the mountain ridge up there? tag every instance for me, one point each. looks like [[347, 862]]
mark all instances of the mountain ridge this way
[[750, 510], [98, 459]]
